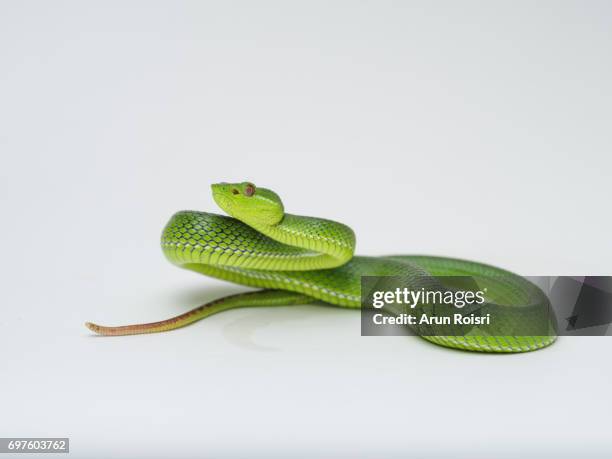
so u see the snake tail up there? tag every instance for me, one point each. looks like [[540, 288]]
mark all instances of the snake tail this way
[[241, 300]]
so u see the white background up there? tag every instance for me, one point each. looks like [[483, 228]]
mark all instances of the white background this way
[[478, 130]]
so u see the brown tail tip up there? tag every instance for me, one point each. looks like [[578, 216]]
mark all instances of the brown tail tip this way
[[93, 327]]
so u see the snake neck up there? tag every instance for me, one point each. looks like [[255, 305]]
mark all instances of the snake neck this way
[[296, 243], [331, 243]]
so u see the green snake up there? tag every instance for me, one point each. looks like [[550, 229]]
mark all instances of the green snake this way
[[298, 260]]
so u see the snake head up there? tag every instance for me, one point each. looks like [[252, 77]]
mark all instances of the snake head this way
[[248, 203]]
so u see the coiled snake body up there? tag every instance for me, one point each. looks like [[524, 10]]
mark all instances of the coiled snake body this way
[[299, 260]]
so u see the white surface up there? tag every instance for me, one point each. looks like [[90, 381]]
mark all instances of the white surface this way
[[470, 129]]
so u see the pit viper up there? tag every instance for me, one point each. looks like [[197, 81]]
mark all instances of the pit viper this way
[[298, 260]]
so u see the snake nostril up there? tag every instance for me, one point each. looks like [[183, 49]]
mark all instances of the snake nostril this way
[[235, 191]]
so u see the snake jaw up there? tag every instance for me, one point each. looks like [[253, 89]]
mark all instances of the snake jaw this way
[[223, 196], [223, 202]]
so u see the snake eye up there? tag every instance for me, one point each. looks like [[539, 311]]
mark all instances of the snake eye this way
[[249, 190]]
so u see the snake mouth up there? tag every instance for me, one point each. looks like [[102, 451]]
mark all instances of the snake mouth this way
[[220, 192]]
